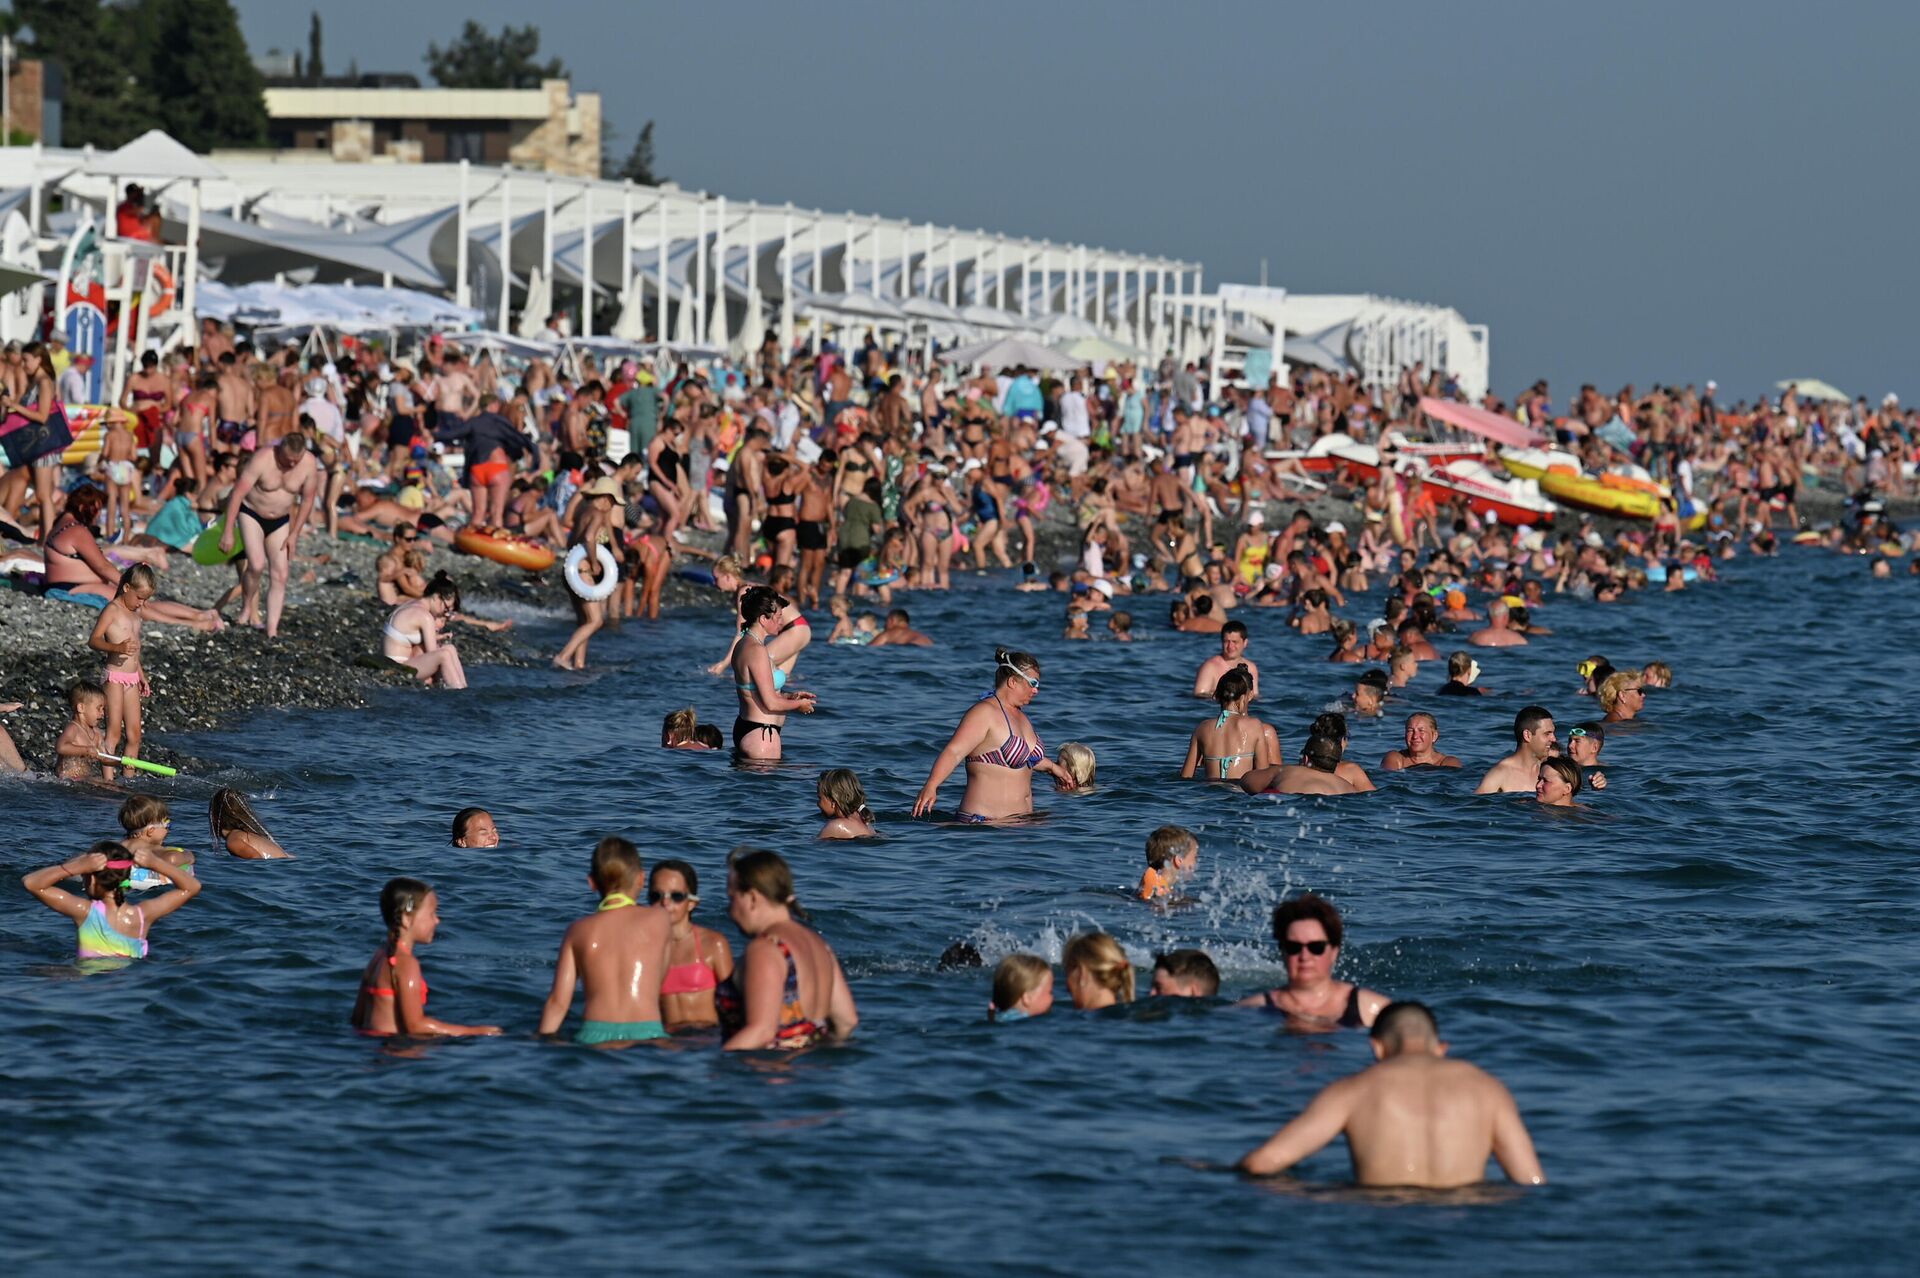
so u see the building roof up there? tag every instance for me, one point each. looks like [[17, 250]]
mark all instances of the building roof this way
[[406, 104]]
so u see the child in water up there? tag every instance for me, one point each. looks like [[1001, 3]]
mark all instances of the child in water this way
[[109, 927], [117, 633], [81, 742], [1076, 627], [1120, 626], [235, 828], [1079, 762], [146, 820], [618, 953], [393, 989], [1022, 987], [1172, 854], [843, 801]]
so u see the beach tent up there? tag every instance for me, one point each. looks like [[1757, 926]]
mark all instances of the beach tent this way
[[1326, 349], [1010, 352], [1813, 388], [252, 252], [1501, 430], [1101, 350]]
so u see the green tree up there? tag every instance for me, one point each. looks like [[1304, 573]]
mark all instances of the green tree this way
[[639, 165], [316, 64], [90, 42], [479, 60], [202, 84]]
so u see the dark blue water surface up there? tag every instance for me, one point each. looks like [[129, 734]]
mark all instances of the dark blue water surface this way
[[1700, 989]]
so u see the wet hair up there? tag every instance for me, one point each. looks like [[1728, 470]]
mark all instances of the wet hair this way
[[1167, 842], [1658, 670], [757, 870], [1077, 759], [444, 586], [84, 688], [1235, 627], [1233, 685], [708, 734], [463, 820], [1203, 605], [1422, 714], [1566, 769], [1016, 976], [1011, 665], [1528, 720], [1190, 965], [1121, 621], [1329, 723], [85, 504], [679, 867], [1519, 617], [1375, 679], [842, 789], [758, 602], [1308, 905], [143, 810], [1103, 959], [1321, 753], [901, 613], [138, 577], [616, 863], [678, 726], [227, 811], [1458, 663], [400, 899], [1315, 598], [109, 882], [961, 954], [1401, 1022], [1614, 684]]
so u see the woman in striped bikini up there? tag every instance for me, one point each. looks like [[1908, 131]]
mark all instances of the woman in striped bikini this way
[[1000, 747]]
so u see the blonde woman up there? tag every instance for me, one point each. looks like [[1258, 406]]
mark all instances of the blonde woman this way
[[1098, 972], [1621, 696]]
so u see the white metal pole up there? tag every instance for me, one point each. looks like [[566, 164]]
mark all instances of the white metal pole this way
[[817, 243], [460, 291], [506, 244], [1046, 277], [953, 269], [660, 285], [191, 294], [33, 200], [546, 244], [720, 271], [786, 282], [586, 256], [626, 251], [874, 245], [700, 270], [751, 338], [1100, 292]]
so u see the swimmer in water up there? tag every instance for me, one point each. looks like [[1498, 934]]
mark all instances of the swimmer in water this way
[[110, 928], [1498, 632], [1099, 974], [1316, 773], [843, 801], [1172, 855], [617, 954], [81, 745], [1333, 724], [680, 730], [1462, 670], [393, 989], [1233, 650], [1584, 742], [1621, 696], [1414, 1118], [999, 745], [764, 705], [1557, 782], [1369, 694], [791, 991], [1022, 988], [1657, 674], [235, 828], [1423, 732], [146, 819], [475, 828], [1229, 746], [1519, 771], [899, 631], [698, 958], [1185, 974], [1309, 930]]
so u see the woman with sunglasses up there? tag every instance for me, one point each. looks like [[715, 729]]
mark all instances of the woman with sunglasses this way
[[1000, 747], [1309, 931], [698, 958]]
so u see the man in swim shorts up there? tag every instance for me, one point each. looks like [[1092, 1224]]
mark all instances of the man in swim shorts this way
[[1423, 730], [1533, 741], [262, 515], [1414, 1118], [1233, 652], [619, 953]]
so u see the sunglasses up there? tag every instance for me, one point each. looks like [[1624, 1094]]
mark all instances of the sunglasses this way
[[654, 898], [1315, 948]]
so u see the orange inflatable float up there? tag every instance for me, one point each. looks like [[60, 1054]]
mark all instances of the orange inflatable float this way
[[504, 547]]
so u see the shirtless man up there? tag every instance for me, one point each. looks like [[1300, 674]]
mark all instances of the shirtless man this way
[[899, 631], [1233, 648], [274, 407], [454, 393], [1498, 633], [1533, 738], [619, 953], [1423, 730], [1413, 1118], [234, 397], [262, 509], [1316, 773]]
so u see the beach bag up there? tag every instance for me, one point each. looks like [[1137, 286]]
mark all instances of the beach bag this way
[[25, 441]]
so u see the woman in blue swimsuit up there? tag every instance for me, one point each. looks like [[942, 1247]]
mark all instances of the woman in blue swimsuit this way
[[1234, 743], [1000, 747]]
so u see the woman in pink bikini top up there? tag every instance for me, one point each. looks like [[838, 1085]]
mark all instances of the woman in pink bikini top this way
[[698, 958]]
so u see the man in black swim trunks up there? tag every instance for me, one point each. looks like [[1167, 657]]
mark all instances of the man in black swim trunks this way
[[262, 513]]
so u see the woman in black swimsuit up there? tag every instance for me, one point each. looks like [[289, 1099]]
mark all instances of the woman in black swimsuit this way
[[1309, 931], [668, 477], [779, 527]]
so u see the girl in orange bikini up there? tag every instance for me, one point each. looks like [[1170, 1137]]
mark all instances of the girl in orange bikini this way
[[698, 958], [393, 989]]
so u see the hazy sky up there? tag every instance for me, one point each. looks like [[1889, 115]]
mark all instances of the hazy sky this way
[[1624, 191]]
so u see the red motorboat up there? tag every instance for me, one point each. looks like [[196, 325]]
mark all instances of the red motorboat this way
[[1514, 502]]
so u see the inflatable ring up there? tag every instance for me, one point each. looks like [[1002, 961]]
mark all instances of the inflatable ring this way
[[609, 573], [503, 547]]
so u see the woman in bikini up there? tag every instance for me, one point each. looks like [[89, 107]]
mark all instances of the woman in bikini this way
[[36, 404], [1230, 746], [393, 989], [764, 705], [791, 991], [998, 744], [411, 636], [1309, 932], [698, 958], [780, 485], [931, 509], [76, 564]]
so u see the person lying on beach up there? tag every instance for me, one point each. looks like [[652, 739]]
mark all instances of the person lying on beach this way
[[393, 989], [1414, 1118], [10, 759], [618, 954]]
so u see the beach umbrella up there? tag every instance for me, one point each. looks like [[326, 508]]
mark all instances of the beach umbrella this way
[[1011, 352], [1101, 350], [1813, 388]]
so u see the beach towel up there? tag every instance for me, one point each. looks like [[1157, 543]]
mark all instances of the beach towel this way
[[175, 524], [94, 602]]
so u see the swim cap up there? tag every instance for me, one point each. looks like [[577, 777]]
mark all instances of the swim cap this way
[[1456, 599]]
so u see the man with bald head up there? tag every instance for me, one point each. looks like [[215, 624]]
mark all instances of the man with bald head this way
[[1414, 1118]]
